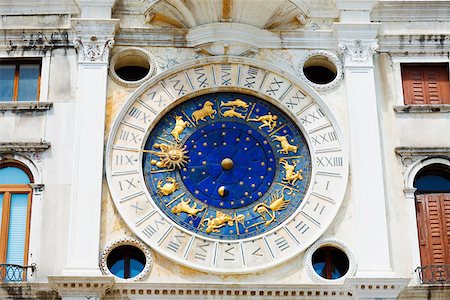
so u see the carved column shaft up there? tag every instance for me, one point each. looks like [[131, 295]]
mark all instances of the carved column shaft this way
[[93, 40]]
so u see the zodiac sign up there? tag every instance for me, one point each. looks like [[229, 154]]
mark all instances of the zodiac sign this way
[[286, 147], [267, 121], [180, 125], [168, 188], [235, 103], [277, 203], [232, 113], [206, 111], [291, 176], [184, 207], [221, 220], [170, 156]]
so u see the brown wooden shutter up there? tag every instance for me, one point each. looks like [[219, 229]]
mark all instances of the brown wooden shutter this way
[[433, 224], [426, 83]]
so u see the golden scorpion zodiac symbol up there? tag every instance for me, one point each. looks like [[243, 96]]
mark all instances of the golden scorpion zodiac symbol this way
[[291, 176], [206, 111], [267, 121], [183, 206], [168, 188], [277, 203], [221, 220], [285, 146], [180, 125]]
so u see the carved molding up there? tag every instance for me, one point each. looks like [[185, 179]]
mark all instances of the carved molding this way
[[81, 286], [358, 52], [13, 147], [376, 288], [18, 107], [435, 108]]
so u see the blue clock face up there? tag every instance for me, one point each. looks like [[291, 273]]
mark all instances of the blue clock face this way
[[227, 165]]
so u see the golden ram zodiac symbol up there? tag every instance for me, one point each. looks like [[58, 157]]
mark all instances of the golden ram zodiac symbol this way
[[277, 203], [183, 206], [221, 220], [206, 111]]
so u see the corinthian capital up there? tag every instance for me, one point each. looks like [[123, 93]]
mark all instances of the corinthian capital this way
[[358, 52], [92, 49]]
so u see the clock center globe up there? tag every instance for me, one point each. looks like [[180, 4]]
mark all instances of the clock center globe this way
[[227, 163]]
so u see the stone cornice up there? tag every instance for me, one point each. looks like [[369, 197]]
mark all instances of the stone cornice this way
[[376, 288], [81, 286], [410, 44], [19, 107], [12, 147], [44, 7], [407, 10], [435, 108], [422, 151]]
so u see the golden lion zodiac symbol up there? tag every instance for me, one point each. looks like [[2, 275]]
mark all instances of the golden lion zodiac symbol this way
[[286, 147], [206, 111], [180, 125], [277, 203], [221, 220], [267, 121], [168, 188], [291, 176], [183, 206]]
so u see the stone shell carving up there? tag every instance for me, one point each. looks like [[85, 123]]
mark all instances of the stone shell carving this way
[[133, 51], [334, 243], [131, 242], [333, 58]]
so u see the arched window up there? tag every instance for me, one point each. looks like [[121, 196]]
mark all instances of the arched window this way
[[15, 207], [433, 220]]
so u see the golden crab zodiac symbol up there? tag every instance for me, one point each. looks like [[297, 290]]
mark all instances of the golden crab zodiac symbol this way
[[277, 203], [168, 188]]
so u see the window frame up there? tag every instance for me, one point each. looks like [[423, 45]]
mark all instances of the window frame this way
[[18, 62]]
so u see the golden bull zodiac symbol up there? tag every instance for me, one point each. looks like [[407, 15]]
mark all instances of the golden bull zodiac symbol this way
[[168, 188], [183, 206], [286, 147], [180, 125], [221, 220], [206, 111], [267, 121], [277, 203], [291, 176]]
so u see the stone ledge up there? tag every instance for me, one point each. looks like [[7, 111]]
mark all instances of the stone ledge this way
[[17, 106], [9, 147], [436, 108], [422, 151]]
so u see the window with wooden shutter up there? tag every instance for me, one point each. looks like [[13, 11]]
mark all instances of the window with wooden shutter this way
[[426, 83]]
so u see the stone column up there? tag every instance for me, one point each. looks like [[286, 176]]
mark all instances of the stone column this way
[[93, 39], [358, 44]]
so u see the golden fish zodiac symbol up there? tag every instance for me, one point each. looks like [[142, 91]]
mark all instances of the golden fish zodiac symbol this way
[[168, 188], [234, 103], [221, 220], [183, 206], [206, 111], [291, 175], [267, 121], [180, 125], [285, 146], [267, 212], [232, 113]]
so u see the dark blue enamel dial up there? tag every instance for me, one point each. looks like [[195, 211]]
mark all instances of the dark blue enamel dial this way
[[227, 165]]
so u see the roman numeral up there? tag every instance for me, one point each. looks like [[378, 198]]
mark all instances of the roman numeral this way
[[302, 227], [312, 117], [150, 230], [319, 208], [274, 87], [257, 252], [129, 182], [128, 136], [201, 77], [201, 251], [295, 100], [335, 161], [176, 242], [281, 243], [324, 138], [225, 74], [178, 85], [250, 80], [138, 114], [124, 160], [136, 207], [230, 254], [158, 100]]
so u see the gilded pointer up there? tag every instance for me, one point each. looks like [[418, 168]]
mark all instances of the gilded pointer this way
[[277, 203], [286, 147], [206, 111], [291, 176], [267, 121], [183, 206], [221, 220], [232, 113], [234, 103], [170, 156], [168, 188], [180, 125]]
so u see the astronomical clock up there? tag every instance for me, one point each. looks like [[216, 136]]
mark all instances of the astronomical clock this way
[[226, 166]]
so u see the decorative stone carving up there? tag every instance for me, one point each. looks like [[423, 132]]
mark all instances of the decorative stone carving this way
[[132, 242], [93, 50], [334, 243], [81, 287], [12, 147], [358, 52], [333, 58]]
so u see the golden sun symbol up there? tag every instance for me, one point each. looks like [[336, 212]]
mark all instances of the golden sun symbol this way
[[171, 156]]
